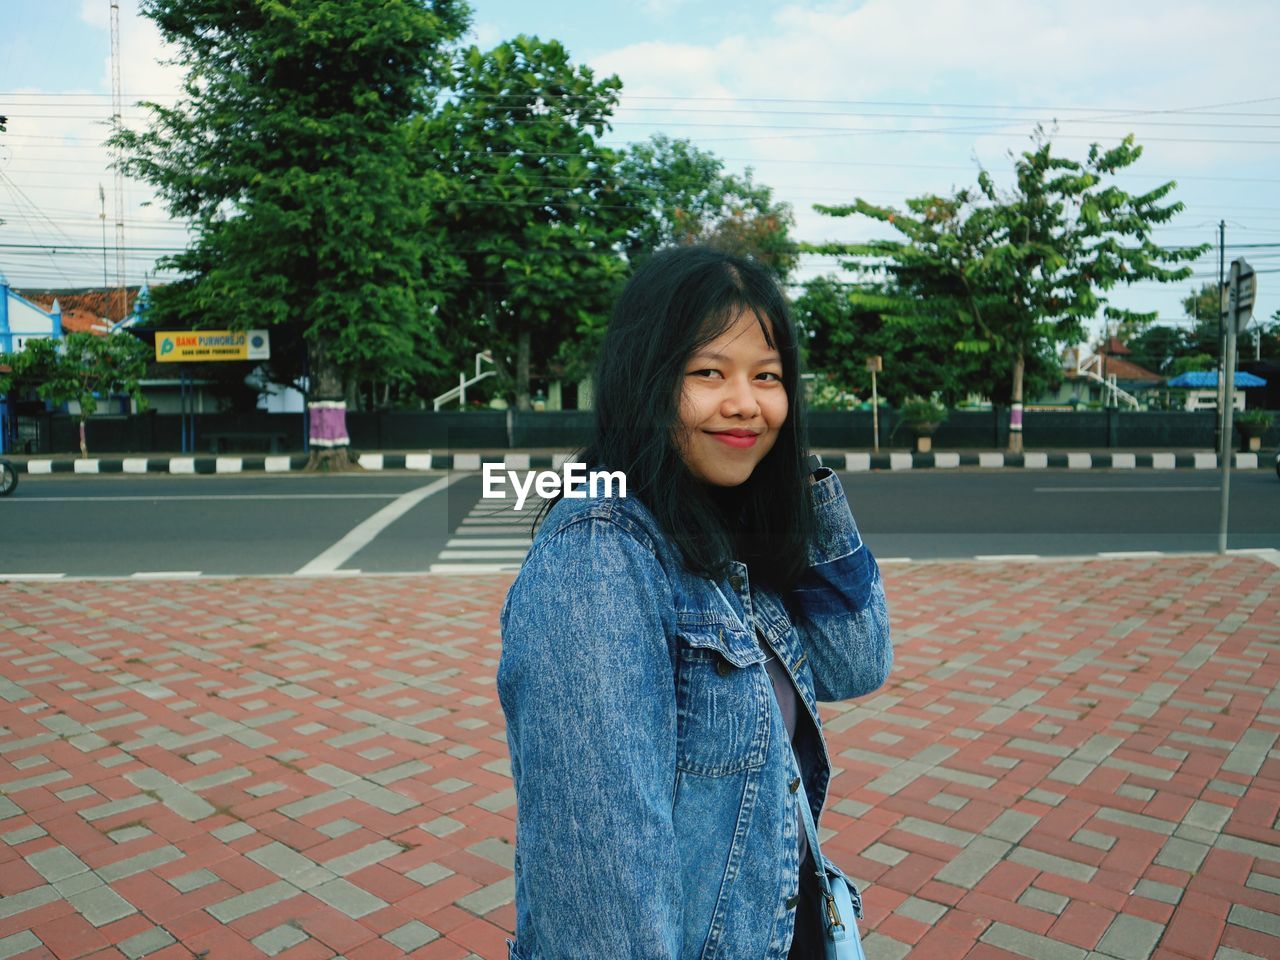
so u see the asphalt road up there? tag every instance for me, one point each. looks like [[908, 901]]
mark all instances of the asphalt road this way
[[148, 525]]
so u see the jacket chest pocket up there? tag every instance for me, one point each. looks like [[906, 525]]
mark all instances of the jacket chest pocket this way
[[722, 714]]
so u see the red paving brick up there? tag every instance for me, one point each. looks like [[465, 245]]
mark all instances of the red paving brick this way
[[1098, 724]]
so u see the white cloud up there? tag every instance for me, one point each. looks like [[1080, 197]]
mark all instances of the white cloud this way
[[928, 66]]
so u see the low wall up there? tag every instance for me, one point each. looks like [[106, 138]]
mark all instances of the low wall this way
[[569, 429]]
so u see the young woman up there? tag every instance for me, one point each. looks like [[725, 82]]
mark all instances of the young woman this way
[[663, 652]]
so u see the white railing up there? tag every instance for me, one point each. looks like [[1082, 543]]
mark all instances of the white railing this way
[[459, 392], [1092, 368]]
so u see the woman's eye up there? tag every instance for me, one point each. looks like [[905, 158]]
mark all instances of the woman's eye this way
[[777, 377], [700, 373]]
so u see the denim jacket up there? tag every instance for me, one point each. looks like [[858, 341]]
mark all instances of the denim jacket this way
[[656, 813]]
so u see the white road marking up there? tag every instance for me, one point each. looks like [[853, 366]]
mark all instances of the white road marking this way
[[466, 568], [1133, 554], [364, 533], [220, 496], [166, 575], [489, 542], [1006, 556], [1123, 489], [482, 554], [31, 576]]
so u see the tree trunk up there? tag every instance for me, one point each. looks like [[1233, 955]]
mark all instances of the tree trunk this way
[[1015, 412], [522, 370], [84, 446], [327, 436]]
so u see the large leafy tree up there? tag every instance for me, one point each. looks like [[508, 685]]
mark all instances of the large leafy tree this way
[[531, 207], [79, 368], [1022, 270], [291, 155], [687, 197]]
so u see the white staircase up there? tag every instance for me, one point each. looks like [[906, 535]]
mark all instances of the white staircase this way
[[459, 392]]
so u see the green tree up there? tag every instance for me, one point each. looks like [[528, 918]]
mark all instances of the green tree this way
[[291, 155], [1021, 270], [845, 323], [79, 368], [532, 207], [687, 197]]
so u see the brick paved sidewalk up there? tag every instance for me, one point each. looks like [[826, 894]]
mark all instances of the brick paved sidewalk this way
[[1071, 760]]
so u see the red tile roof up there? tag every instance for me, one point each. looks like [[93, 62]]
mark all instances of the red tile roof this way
[[96, 303]]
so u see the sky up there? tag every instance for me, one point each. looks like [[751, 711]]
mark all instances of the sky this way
[[823, 101]]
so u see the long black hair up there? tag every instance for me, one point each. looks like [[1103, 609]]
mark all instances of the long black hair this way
[[678, 301]]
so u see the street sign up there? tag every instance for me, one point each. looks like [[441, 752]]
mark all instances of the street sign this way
[[185, 346], [875, 364], [1243, 292]]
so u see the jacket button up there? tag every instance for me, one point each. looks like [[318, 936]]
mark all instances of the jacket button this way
[[795, 784], [724, 667], [792, 901]]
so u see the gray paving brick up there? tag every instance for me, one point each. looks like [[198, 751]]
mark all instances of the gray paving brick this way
[[936, 831], [496, 802], [1011, 826], [143, 861], [17, 903], [1139, 820], [366, 856], [1028, 944], [1262, 881], [102, 905], [78, 884], [1254, 919], [1038, 899], [1051, 864], [1163, 892], [496, 851], [278, 939], [193, 880], [880, 947], [1090, 838], [56, 863], [1130, 938], [146, 943], [124, 805], [400, 771], [348, 898], [442, 826], [233, 831], [489, 898], [429, 873], [1182, 854], [925, 911], [288, 864], [411, 936], [339, 828], [236, 907], [18, 943], [884, 853], [974, 862], [300, 808]]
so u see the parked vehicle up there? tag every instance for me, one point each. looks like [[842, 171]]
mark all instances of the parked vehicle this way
[[8, 478]]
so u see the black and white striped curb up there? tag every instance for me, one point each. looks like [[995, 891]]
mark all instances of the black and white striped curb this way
[[848, 461]]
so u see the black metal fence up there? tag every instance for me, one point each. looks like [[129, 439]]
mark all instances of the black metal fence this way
[[152, 432]]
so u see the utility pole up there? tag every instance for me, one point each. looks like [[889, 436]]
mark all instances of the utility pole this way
[[117, 111], [102, 215], [1222, 310]]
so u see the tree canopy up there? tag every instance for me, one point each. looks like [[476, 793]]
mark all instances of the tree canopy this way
[[291, 155], [1015, 273], [530, 201]]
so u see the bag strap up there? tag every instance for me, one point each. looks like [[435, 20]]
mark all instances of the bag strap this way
[[834, 923]]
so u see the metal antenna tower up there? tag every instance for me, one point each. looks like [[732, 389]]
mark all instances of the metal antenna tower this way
[[117, 110]]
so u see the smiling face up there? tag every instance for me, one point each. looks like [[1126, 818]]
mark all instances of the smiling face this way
[[732, 404]]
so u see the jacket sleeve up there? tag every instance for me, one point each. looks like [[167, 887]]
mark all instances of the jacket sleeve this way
[[587, 686], [838, 606]]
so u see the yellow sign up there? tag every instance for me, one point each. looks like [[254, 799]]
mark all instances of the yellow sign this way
[[209, 345]]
